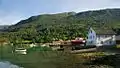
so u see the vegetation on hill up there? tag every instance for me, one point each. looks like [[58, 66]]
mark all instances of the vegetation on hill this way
[[68, 25]]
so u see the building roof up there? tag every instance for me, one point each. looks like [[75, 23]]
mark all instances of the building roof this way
[[118, 37], [104, 31]]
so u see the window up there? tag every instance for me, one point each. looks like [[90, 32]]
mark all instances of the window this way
[[101, 42], [105, 36], [91, 31], [91, 42], [110, 42]]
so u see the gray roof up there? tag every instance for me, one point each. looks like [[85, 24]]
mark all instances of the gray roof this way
[[118, 37], [104, 31]]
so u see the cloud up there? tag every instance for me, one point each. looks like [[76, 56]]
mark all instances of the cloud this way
[[81, 5]]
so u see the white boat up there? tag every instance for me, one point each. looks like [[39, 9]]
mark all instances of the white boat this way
[[21, 51]]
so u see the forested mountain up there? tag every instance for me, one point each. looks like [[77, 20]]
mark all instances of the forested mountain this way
[[68, 25]]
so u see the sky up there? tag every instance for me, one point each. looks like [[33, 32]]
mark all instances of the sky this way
[[12, 11]]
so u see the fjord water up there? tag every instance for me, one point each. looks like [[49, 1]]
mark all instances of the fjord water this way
[[6, 64]]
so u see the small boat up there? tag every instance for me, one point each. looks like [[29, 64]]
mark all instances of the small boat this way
[[21, 51]]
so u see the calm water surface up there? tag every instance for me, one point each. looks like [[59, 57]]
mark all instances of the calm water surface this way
[[6, 64]]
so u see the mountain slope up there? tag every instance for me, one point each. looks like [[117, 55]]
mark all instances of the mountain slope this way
[[68, 25], [107, 16]]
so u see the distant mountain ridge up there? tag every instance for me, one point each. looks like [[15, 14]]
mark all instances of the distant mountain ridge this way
[[4, 26], [108, 14]]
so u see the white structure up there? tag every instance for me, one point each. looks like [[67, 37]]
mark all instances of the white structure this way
[[100, 37], [32, 45], [21, 51], [91, 37]]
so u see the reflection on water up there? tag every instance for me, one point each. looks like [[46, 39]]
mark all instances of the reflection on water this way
[[7, 64]]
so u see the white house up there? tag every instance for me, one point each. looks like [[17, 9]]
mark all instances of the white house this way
[[100, 37]]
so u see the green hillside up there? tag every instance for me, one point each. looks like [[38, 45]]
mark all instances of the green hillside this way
[[68, 25]]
